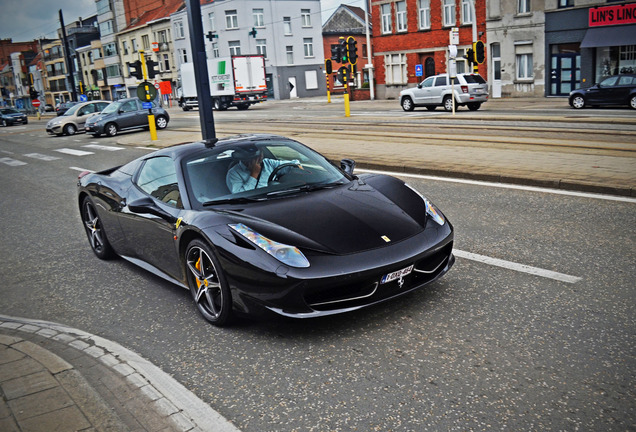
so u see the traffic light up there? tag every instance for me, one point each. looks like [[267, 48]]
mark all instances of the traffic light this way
[[479, 51], [470, 55], [328, 67], [34, 93], [335, 53], [343, 74], [152, 66], [135, 69], [342, 46], [253, 32], [352, 50]]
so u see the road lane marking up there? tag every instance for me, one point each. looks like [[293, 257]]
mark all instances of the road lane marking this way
[[102, 147], [41, 157], [11, 162], [81, 169], [74, 152], [562, 277], [505, 186]]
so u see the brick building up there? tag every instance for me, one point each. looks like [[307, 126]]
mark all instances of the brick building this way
[[407, 33]]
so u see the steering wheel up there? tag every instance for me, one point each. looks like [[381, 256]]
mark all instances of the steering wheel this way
[[276, 174]]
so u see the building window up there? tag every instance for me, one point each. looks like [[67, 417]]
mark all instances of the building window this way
[[133, 42], [166, 63], [395, 68], [145, 42], [523, 6], [287, 30], [289, 50], [162, 36], [400, 11], [258, 15], [231, 19], [110, 49], [106, 28], [467, 13], [385, 13], [113, 71], [215, 50], [103, 6], [448, 12], [124, 46], [308, 45], [524, 66], [305, 15], [235, 47], [261, 47], [211, 22], [178, 30], [425, 14], [566, 3], [183, 55]]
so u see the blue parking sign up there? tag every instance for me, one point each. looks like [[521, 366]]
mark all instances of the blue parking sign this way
[[418, 70]]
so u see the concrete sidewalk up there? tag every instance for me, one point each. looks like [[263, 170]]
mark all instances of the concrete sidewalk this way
[[55, 378], [577, 167]]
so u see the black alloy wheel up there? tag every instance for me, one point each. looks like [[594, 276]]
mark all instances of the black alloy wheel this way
[[95, 231], [207, 283]]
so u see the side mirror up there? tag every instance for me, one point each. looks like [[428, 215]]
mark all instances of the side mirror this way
[[419, 86], [347, 165], [147, 205]]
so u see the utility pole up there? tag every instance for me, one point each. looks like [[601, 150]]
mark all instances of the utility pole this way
[[67, 56], [201, 76], [369, 58]]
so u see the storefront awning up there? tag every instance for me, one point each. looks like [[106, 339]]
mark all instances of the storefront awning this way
[[610, 36]]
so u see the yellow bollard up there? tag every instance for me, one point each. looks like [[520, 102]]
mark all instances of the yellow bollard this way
[[152, 126]]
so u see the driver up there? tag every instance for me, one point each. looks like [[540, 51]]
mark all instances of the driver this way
[[252, 170]]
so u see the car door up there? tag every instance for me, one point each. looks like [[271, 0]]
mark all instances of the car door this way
[[604, 92], [422, 94], [624, 88], [128, 114], [439, 89], [84, 113], [152, 236]]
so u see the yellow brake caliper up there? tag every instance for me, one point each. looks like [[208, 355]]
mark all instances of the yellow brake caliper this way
[[200, 281]]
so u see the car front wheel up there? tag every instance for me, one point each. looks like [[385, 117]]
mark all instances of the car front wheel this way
[[578, 102], [111, 129], [70, 129], [632, 102], [407, 104], [95, 231], [207, 283], [162, 122]]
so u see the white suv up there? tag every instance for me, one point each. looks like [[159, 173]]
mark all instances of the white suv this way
[[471, 90]]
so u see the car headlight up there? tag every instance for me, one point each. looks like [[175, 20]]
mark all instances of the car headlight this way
[[431, 210], [289, 255]]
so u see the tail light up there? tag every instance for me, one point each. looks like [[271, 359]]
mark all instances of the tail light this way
[[464, 89]]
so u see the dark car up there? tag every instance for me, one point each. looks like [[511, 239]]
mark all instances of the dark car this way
[[48, 108], [125, 114], [306, 239], [11, 116], [614, 90], [61, 108]]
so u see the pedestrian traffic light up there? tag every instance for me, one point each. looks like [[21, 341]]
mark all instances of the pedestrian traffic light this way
[[352, 50], [152, 66], [328, 67], [342, 45], [335, 53], [135, 69], [479, 50], [470, 55]]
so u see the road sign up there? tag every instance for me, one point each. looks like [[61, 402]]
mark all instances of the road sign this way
[[418, 70], [147, 105], [146, 91], [83, 98], [35, 103]]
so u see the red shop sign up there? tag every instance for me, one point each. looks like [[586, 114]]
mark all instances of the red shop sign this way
[[613, 15]]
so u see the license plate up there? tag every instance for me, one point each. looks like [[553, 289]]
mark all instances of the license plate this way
[[397, 274]]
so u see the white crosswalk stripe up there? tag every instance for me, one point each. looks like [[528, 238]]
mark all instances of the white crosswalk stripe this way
[[12, 162], [74, 152], [102, 147], [41, 156]]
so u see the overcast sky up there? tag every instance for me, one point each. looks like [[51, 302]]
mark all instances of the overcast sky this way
[[23, 20]]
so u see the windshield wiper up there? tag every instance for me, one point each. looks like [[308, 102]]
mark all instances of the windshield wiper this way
[[306, 188], [238, 200]]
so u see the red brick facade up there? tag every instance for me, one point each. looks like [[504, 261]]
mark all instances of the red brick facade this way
[[414, 46]]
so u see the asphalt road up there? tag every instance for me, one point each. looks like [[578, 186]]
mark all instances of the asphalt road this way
[[486, 348]]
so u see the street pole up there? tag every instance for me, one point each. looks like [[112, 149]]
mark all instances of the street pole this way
[[472, 9], [151, 117], [201, 76], [369, 58], [67, 56]]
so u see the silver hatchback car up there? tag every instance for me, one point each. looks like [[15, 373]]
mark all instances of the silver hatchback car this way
[[73, 120], [470, 90]]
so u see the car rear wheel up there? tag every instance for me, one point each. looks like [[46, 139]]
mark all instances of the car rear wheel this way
[[207, 283], [632, 102], [162, 122], [474, 106], [407, 104], [3, 123], [578, 102], [448, 103], [111, 129], [95, 231], [70, 129]]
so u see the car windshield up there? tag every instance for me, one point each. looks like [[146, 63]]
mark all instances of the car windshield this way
[[9, 111], [71, 111], [221, 175], [112, 107], [474, 79]]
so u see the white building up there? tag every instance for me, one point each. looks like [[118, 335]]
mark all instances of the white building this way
[[112, 19], [288, 33]]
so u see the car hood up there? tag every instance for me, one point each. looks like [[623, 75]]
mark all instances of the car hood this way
[[347, 219]]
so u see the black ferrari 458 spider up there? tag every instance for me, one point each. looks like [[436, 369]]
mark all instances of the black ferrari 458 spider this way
[[261, 222]]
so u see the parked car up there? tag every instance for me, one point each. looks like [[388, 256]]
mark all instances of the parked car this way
[[72, 121], [49, 108], [470, 90], [11, 116], [614, 90], [307, 239], [62, 107], [125, 114]]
